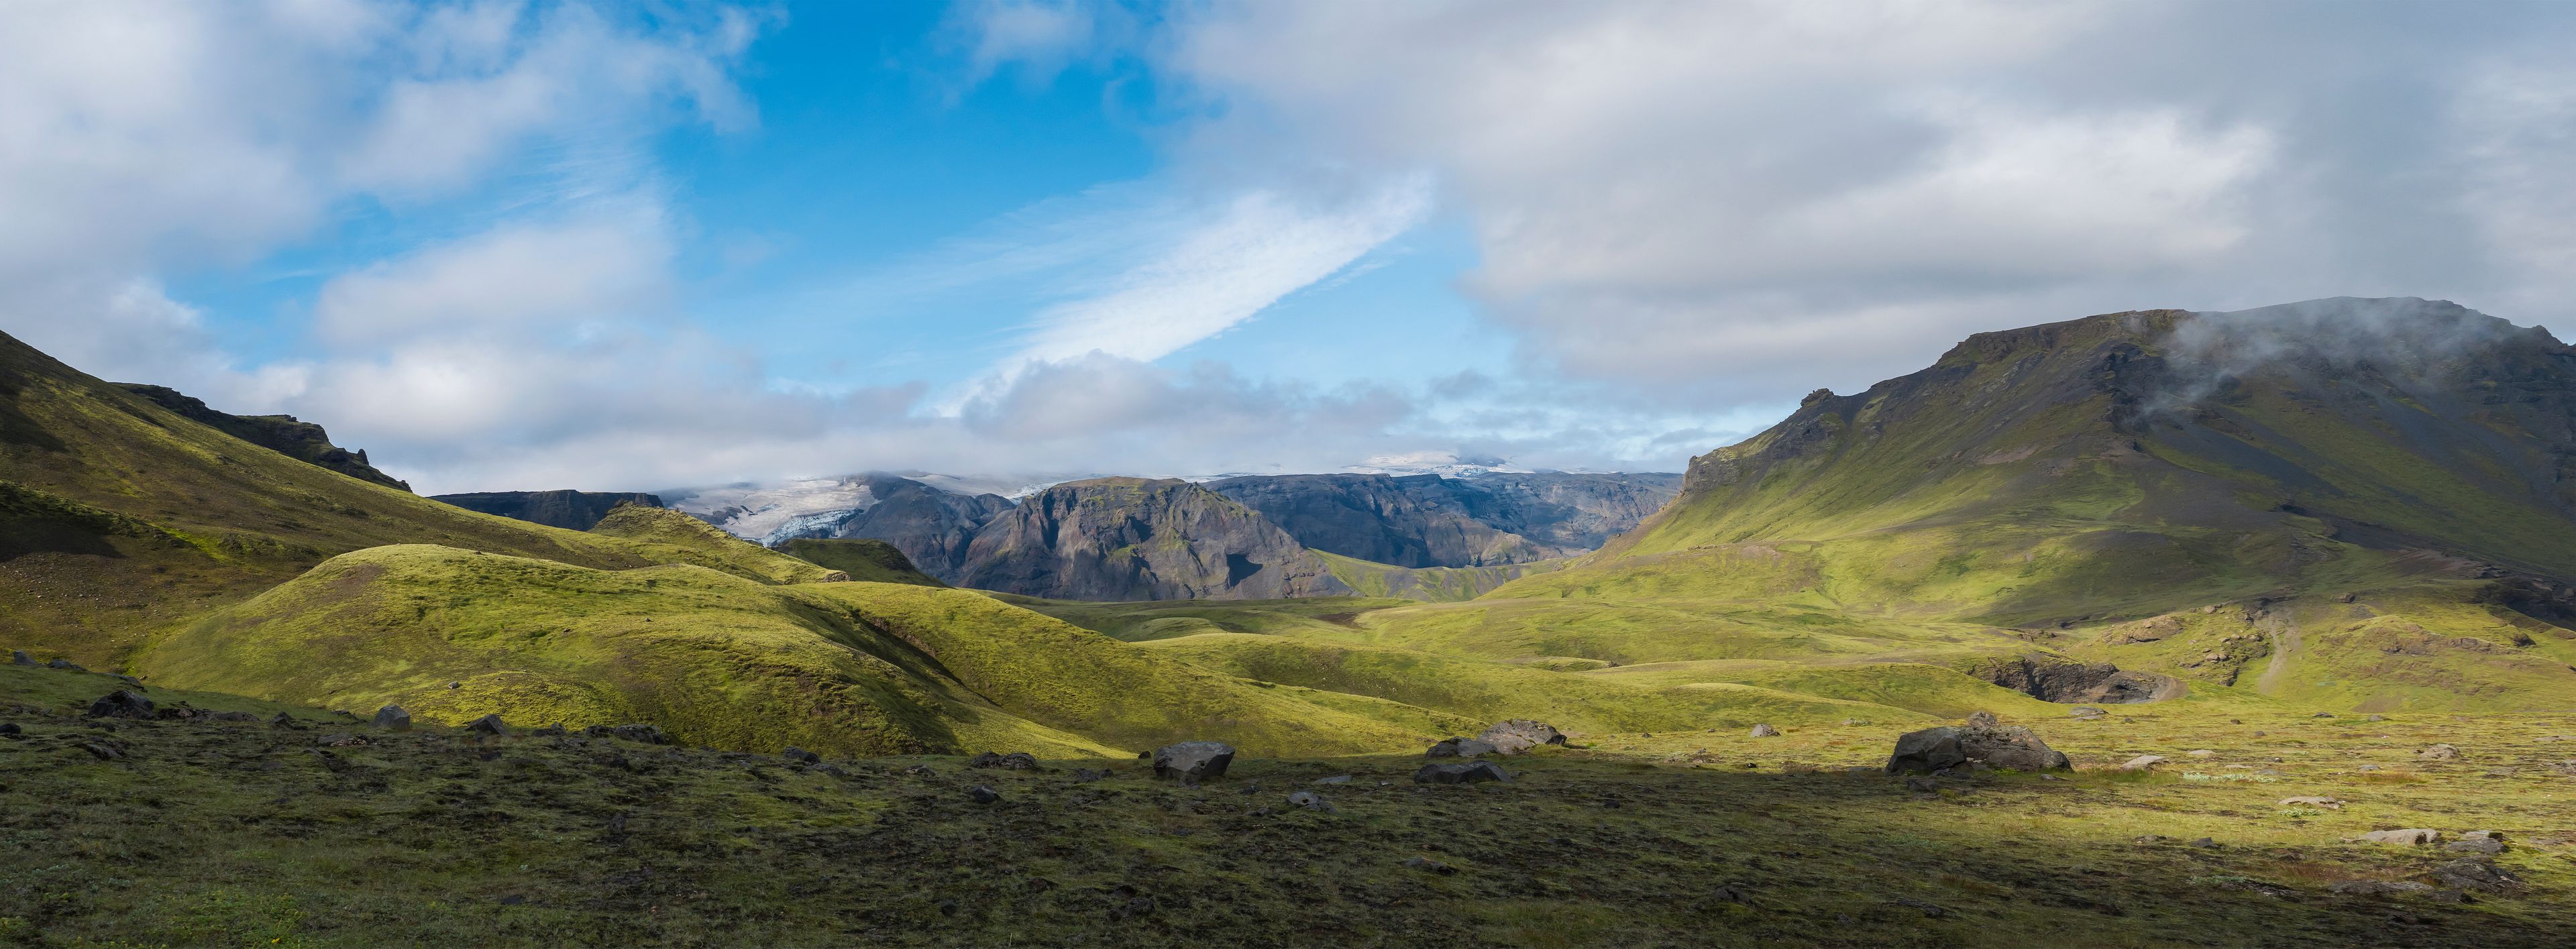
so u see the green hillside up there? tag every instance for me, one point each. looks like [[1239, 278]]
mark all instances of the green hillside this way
[[865, 560]]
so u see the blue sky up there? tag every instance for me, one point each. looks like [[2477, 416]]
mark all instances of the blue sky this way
[[552, 244]]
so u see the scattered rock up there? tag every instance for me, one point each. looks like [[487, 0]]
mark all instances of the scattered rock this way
[[456, 685], [1426, 863], [1015, 761], [1948, 746], [2410, 836], [647, 734], [2374, 718], [121, 703], [65, 665], [1460, 748], [1519, 735], [2086, 711], [1311, 801], [283, 720], [2368, 767], [2482, 835], [983, 795], [2203, 843], [1193, 761], [2328, 803], [1923, 785], [102, 750], [488, 725], [2439, 753], [1982, 719], [392, 718], [1460, 773], [10, 730], [2322, 715], [2200, 753], [800, 755], [2485, 845], [2378, 887], [1336, 779], [1765, 731], [2476, 873], [1088, 775], [341, 740], [1855, 721]]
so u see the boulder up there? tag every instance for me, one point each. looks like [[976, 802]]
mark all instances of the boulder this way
[[19, 657], [10, 730], [1193, 760], [983, 795], [2142, 763], [2411, 836], [1950, 746], [800, 755], [1765, 731], [1519, 735], [2476, 873], [1460, 748], [1015, 761], [1310, 801], [2086, 711], [1336, 779], [121, 703], [2439, 753], [65, 665], [392, 718], [488, 725], [1460, 773], [1982, 719]]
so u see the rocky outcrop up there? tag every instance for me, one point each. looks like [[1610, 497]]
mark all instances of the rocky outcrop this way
[[1432, 521], [2059, 679], [932, 527], [283, 434], [1135, 539], [570, 510], [1951, 746]]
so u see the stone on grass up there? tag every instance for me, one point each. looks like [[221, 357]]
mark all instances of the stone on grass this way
[[647, 734], [2328, 803], [1460, 773], [1765, 731], [800, 755], [1460, 748], [2476, 873], [2483, 845], [392, 718], [121, 703], [488, 725], [1519, 735], [1015, 761], [2086, 711], [65, 665], [1193, 761], [1982, 719], [2200, 753], [983, 795], [10, 730], [2142, 763], [1310, 801], [2378, 887], [1950, 746], [19, 657], [1336, 779], [2438, 753], [2410, 836]]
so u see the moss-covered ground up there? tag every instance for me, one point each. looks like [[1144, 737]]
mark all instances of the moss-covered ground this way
[[209, 833]]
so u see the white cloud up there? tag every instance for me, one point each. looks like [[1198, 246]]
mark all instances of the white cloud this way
[[527, 278]]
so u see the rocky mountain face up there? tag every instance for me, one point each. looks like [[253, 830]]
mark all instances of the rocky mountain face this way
[[1433, 521], [571, 510], [932, 527], [303, 441], [1139, 539]]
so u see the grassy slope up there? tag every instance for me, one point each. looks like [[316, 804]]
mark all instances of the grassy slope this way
[[235, 834], [721, 660], [865, 560]]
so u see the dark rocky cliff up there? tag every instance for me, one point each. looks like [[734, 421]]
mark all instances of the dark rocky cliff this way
[[1139, 539], [1432, 521], [571, 510], [280, 433]]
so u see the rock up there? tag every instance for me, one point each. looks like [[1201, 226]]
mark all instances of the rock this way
[[2476, 873], [488, 725], [122, 703], [1460, 748], [2374, 718], [10, 730], [1765, 731], [340, 740], [2203, 843], [1922, 786], [392, 718], [2086, 711], [1088, 775], [1950, 746], [1519, 735], [983, 795], [19, 657], [1855, 721], [65, 665], [1460, 773], [2409, 836], [2439, 753], [2200, 753], [1193, 761], [2377, 887], [647, 734], [456, 685], [102, 750], [2142, 763], [283, 720], [2328, 803], [1015, 761], [1426, 863], [2322, 715], [800, 755], [1311, 801], [1336, 779], [2482, 835], [2487, 846], [1982, 719]]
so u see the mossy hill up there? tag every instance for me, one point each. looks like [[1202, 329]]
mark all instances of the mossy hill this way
[[869, 561], [284, 434]]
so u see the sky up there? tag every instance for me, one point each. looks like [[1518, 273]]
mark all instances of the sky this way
[[537, 245]]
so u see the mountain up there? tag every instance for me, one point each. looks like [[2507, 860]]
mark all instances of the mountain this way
[[570, 510], [932, 525], [2358, 503], [1141, 539], [281, 433], [1433, 521]]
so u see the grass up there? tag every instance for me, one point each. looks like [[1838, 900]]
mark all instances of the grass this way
[[234, 834], [864, 560]]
